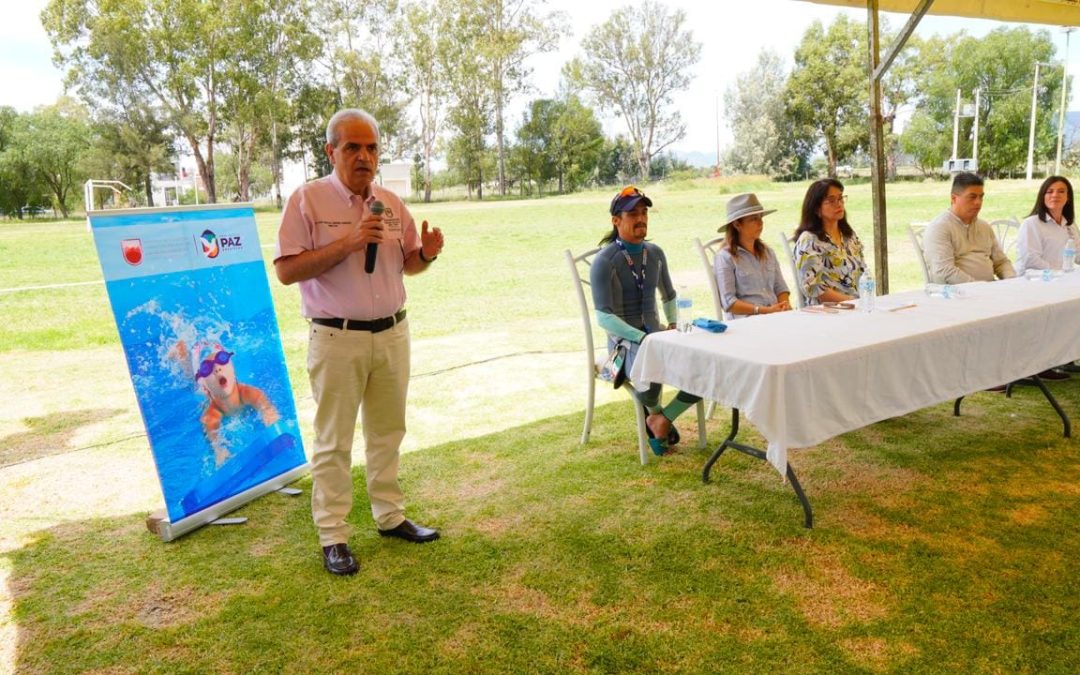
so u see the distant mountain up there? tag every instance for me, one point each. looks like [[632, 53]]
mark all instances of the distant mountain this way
[[698, 159]]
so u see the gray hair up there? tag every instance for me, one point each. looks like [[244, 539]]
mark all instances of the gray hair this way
[[340, 116]]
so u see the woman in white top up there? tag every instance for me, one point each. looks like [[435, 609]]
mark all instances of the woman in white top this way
[[1048, 228]]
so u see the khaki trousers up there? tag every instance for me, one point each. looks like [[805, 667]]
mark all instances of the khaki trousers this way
[[353, 371]]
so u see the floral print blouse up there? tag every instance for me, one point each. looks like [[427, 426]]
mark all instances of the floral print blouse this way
[[823, 265]]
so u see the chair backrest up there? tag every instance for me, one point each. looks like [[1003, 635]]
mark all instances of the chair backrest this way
[[916, 232], [788, 246], [1006, 230], [707, 252], [579, 266]]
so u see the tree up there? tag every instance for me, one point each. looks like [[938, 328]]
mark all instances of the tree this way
[[1001, 65], [256, 178], [560, 139], [129, 144], [898, 90], [359, 63], [755, 106], [531, 154], [927, 141], [273, 48], [54, 140], [827, 91], [423, 49], [162, 53], [471, 113], [634, 62], [20, 187], [511, 32], [618, 161]]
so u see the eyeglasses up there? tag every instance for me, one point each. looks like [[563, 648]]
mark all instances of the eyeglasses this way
[[207, 366], [835, 200]]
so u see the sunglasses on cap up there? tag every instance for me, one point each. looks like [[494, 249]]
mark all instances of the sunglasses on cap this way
[[630, 191], [207, 366]]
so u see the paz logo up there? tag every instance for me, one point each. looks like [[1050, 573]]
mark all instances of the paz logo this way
[[209, 244], [132, 250]]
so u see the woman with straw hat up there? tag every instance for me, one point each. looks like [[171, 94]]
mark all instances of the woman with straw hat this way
[[747, 273]]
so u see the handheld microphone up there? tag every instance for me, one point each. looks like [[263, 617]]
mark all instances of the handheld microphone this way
[[377, 209]]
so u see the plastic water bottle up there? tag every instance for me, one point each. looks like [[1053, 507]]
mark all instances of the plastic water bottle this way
[[685, 306], [1068, 256], [946, 291], [867, 289]]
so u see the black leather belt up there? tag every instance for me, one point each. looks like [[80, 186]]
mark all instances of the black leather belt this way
[[376, 326]]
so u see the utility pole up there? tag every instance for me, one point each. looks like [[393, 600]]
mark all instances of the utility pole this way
[[956, 125], [975, 148], [1064, 101], [717, 133], [1031, 131]]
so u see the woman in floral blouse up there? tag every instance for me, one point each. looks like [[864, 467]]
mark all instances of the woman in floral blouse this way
[[828, 254]]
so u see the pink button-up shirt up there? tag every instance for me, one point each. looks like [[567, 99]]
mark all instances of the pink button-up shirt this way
[[321, 212]]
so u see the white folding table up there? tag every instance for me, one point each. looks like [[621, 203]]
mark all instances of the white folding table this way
[[802, 378]]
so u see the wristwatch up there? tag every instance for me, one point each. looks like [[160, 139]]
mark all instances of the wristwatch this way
[[427, 259]]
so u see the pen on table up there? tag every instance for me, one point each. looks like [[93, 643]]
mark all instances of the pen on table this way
[[908, 306]]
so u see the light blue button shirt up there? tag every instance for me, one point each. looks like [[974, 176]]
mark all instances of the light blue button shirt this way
[[745, 277]]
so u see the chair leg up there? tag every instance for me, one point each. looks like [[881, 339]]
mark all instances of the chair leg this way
[[710, 410], [642, 438], [590, 400], [701, 431]]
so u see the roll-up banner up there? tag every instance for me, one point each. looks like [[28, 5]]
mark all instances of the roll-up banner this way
[[189, 293]]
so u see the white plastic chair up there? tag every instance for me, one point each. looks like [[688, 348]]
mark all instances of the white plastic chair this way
[[916, 232], [788, 246], [1006, 230], [707, 252], [593, 362]]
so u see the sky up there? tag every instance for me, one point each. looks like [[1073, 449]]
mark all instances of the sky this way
[[732, 34]]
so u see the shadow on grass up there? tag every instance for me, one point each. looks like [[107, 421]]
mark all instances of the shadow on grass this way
[[49, 435], [558, 557]]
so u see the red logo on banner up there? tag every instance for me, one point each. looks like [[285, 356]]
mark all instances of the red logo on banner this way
[[132, 251]]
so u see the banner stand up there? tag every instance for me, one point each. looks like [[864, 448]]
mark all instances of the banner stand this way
[[195, 317], [158, 522]]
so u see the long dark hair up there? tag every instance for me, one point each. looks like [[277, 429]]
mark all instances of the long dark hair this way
[[811, 221], [1040, 202], [731, 241], [611, 236]]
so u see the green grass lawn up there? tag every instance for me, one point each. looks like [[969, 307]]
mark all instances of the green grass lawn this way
[[940, 543]]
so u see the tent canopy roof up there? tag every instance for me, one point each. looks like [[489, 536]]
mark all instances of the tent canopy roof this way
[[1052, 12]]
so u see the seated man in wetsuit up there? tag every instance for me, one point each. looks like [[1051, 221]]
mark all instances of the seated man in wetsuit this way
[[625, 276]]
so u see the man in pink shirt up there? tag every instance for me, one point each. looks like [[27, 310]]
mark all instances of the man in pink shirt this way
[[358, 342]]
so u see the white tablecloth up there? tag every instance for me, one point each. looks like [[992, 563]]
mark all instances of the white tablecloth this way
[[802, 378]]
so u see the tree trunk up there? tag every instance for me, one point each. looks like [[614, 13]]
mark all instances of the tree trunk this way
[[148, 188], [275, 161], [499, 143]]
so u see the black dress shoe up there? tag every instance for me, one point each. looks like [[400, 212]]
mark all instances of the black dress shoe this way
[[410, 531], [338, 559]]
